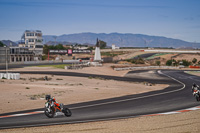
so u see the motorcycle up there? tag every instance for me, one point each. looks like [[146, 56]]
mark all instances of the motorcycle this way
[[196, 94], [51, 108]]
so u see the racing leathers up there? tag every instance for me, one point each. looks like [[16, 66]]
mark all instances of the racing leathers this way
[[195, 89]]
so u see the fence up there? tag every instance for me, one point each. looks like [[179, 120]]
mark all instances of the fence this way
[[147, 67]]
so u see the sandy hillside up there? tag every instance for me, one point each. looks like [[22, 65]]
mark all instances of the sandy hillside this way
[[188, 57]]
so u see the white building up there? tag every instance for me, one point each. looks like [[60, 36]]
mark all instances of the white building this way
[[114, 47], [33, 40]]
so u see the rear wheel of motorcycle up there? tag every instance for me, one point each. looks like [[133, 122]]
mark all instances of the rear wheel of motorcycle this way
[[49, 114], [197, 98], [67, 112]]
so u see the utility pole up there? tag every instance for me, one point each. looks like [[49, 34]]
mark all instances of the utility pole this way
[[55, 37], [6, 56]]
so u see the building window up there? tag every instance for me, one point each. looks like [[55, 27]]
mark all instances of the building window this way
[[29, 34], [31, 40], [38, 46], [13, 59], [38, 40], [39, 34]]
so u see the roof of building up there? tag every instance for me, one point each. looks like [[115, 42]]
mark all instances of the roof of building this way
[[33, 31]]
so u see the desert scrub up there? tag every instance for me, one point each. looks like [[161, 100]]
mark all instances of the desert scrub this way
[[27, 88], [148, 84], [58, 93], [36, 96], [22, 79], [39, 79], [100, 78], [51, 84], [73, 84], [90, 77], [59, 79], [112, 54]]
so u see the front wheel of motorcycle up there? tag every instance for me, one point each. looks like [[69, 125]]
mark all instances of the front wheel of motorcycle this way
[[197, 97], [49, 114], [67, 112]]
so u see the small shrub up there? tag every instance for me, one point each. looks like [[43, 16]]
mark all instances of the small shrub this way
[[139, 60], [22, 79], [194, 61], [186, 63], [27, 88], [90, 77], [33, 98], [169, 63], [158, 63], [59, 79]]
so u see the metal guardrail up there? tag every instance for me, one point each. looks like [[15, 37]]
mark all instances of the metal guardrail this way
[[42, 62], [172, 51], [147, 67]]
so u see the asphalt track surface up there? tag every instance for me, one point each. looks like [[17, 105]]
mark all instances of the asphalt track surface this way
[[175, 97]]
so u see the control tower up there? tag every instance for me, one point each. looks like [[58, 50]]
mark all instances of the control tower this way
[[97, 55]]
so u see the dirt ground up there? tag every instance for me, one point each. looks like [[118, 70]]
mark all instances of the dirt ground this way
[[188, 57], [30, 90]]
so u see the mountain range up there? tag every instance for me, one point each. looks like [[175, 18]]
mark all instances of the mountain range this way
[[9, 43], [121, 40]]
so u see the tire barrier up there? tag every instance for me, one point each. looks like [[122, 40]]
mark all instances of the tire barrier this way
[[9, 75]]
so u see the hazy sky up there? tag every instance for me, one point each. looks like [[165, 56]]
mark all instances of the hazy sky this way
[[178, 19]]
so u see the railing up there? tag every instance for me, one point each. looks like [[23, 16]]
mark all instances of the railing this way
[[44, 62], [145, 67], [17, 53]]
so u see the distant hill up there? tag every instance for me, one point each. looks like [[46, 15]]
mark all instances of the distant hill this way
[[9, 43], [121, 40]]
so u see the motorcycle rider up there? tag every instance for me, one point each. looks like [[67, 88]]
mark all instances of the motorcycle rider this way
[[55, 102], [195, 89]]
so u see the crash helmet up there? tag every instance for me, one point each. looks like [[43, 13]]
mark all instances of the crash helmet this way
[[194, 85], [53, 98], [47, 97]]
